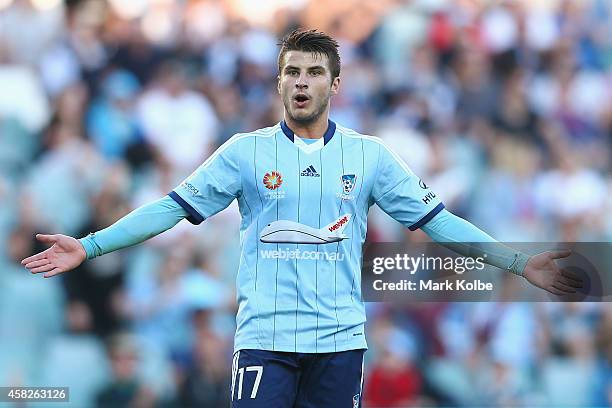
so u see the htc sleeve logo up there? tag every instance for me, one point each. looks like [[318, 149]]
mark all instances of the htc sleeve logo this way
[[428, 198]]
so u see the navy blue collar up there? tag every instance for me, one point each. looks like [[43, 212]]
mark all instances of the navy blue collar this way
[[329, 133]]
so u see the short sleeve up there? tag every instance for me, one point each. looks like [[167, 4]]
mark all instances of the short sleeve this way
[[401, 194], [212, 186]]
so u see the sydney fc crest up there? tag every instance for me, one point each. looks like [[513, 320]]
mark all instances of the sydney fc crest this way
[[348, 183]]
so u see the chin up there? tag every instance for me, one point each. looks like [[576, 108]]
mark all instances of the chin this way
[[305, 117], [302, 117], [310, 115]]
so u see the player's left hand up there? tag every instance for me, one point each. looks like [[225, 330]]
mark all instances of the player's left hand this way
[[542, 271]]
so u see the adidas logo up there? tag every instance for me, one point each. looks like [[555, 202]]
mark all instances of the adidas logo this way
[[310, 172]]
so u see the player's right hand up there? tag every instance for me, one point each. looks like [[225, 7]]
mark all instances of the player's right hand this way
[[66, 253]]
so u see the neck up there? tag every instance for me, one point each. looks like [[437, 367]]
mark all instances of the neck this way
[[312, 130]]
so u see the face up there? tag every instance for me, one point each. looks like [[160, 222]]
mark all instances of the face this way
[[305, 84]]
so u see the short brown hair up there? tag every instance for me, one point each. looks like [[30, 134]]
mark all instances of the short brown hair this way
[[313, 41]]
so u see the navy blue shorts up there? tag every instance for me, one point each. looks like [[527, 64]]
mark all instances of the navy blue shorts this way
[[274, 379]]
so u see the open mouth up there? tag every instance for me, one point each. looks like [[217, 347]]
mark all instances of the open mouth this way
[[301, 100]]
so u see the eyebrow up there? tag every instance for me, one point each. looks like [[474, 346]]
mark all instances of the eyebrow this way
[[309, 68]]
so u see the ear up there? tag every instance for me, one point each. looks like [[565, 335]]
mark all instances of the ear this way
[[335, 85], [278, 86]]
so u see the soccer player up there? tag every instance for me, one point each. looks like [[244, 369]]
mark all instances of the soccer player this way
[[304, 187]]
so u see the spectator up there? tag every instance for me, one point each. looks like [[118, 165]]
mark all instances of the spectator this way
[[393, 381], [111, 122], [178, 122], [206, 383], [124, 389]]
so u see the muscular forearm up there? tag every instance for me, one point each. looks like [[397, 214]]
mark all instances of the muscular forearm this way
[[141, 224], [466, 239]]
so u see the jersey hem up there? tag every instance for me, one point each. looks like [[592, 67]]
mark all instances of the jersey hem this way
[[361, 345]]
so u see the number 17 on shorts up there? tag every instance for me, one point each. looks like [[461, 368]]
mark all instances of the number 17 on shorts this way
[[263, 379], [272, 379], [238, 380]]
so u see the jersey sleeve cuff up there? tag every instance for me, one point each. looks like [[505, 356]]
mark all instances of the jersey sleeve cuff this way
[[520, 262], [88, 246], [426, 218], [194, 216]]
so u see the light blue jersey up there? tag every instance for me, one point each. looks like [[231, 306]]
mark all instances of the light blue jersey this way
[[304, 213]]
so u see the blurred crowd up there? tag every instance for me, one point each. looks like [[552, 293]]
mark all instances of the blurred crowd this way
[[504, 107]]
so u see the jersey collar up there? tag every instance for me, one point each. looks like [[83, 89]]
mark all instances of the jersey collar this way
[[329, 133]]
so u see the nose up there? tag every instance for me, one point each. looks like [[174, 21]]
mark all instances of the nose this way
[[301, 82]]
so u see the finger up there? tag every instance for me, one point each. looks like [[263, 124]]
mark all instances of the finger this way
[[48, 239], [36, 264], [54, 272], [44, 268], [556, 291], [40, 255], [563, 287], [571, 275], [570, 282], [563, 253]]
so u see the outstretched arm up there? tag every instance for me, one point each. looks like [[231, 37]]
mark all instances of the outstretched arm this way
[[66, 253], [464, 238]]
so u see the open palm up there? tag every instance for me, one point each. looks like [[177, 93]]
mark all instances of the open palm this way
[[66, 253], [543, 272]]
